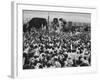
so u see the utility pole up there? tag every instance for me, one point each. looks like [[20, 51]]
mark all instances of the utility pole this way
[[48, 22]]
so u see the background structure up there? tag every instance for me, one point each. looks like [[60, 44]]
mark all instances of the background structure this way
[[68, 16]]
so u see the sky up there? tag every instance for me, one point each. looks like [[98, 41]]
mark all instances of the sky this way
[[68, 16]]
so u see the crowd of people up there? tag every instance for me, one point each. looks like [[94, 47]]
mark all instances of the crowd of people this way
[[42, 49]]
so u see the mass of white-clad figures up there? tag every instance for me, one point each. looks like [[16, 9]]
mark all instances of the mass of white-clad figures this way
[[56, 44]]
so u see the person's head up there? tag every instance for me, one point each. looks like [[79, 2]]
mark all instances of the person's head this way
[[55, 59], [32, 60], [55, 20], [60, 19], [40, 66]]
